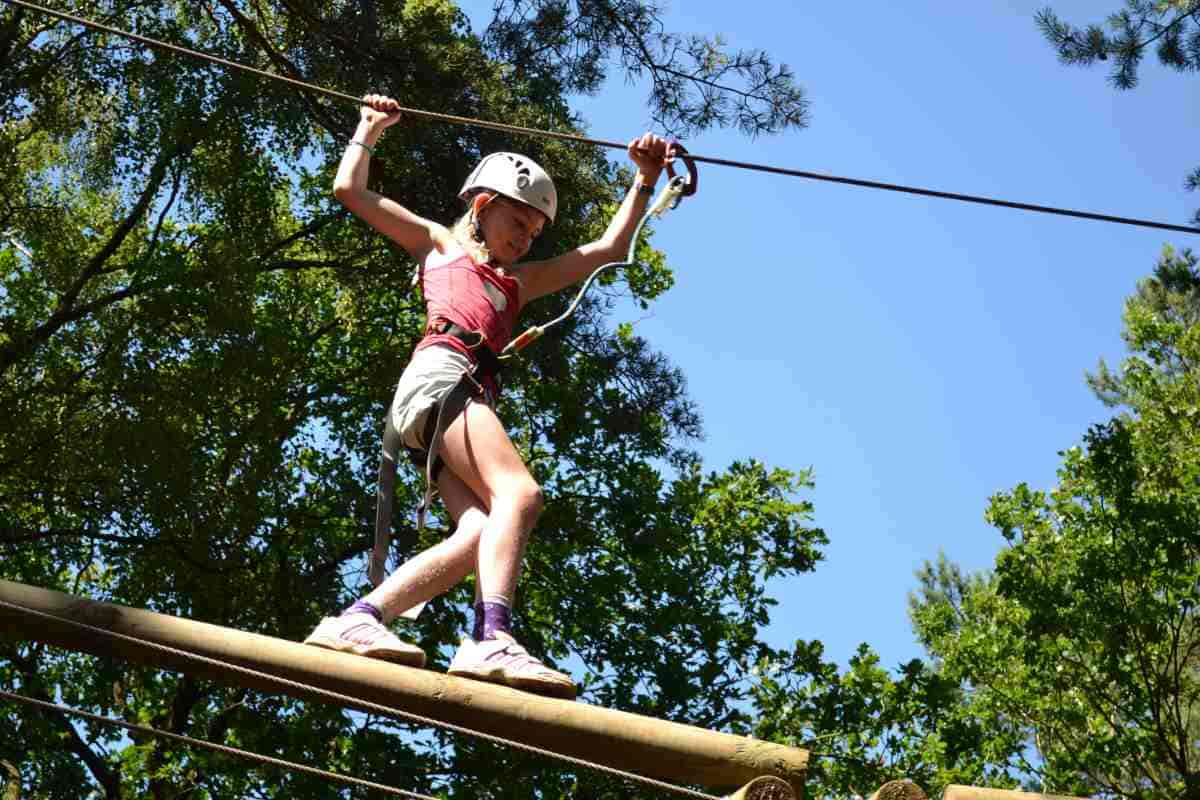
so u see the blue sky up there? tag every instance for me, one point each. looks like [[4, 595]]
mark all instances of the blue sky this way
[[920, 355]]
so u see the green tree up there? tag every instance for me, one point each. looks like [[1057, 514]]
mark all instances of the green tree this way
[[1171, 28], [1072, 667], [1078, 654], [866, 725], [694, 81], [196, 348]]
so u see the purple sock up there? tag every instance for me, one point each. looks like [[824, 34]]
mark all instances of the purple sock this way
[[477, 631], [496, 617], [363, 607]]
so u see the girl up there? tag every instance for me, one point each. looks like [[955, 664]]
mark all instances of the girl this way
[[473, 288]]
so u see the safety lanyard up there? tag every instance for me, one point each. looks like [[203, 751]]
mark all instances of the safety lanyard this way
[[669, 197]]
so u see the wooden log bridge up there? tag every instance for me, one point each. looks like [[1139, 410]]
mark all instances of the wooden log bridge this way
[[665, 750], [957, 792]]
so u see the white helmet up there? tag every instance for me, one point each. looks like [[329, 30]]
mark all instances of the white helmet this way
[[514, 176]]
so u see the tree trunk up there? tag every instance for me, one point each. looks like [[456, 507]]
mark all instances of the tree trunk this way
[[10, 781]]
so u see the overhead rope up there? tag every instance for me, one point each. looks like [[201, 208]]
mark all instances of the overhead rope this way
[[220, 748], [571, 137], [365, 705]]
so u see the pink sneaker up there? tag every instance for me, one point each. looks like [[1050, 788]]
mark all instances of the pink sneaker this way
[[502, 660], [362, 635]]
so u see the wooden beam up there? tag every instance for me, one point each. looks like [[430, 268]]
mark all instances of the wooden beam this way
[[957, 792], [665, 750]]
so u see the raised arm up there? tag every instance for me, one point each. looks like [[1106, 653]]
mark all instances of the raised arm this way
[[414, 233], [649, 153]]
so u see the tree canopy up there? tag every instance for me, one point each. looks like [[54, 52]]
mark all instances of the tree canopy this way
[[1071, 667], [1169, 28], [1078, 655]]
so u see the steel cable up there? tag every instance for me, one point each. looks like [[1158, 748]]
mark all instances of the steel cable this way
[[572, 137], [220, 748]]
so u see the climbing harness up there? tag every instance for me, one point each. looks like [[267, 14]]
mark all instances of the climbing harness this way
[[487, 366]]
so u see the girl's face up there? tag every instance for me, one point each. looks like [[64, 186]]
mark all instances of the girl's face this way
[[509, 228]]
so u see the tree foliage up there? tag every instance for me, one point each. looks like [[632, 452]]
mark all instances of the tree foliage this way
[[865, 725], [695, 82], [1080, 652], [1073, 667], [197, 345], [1171, 28]]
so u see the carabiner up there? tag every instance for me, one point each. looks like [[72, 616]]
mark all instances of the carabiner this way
[[692, 181]]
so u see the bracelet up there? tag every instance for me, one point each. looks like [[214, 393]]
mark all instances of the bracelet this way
[[644, 188], [370, 150]]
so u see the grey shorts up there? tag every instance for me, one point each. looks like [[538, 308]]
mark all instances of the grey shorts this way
[[428, 378]]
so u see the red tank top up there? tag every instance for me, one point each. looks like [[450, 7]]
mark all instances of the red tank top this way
[[473, 296]]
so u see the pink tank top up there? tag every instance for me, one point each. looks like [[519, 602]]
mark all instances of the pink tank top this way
[[473, 296]]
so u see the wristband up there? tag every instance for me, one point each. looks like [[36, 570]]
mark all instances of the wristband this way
[[644, 188], [370, 150]]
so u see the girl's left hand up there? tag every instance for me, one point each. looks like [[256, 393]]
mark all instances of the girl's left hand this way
[[649, 152]]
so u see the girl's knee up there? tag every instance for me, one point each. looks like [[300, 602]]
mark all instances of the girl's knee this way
[[473, 519], [469, 526], [528, 498]]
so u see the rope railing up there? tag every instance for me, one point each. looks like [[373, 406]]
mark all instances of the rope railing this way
[[333, 777], [573, 137]]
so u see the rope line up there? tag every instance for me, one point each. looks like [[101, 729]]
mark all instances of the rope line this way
[[366, 705], [572, 137], [220, 748]]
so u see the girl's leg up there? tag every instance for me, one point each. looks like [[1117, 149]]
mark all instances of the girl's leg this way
[[436, 570], [360, 629], [478, 450]]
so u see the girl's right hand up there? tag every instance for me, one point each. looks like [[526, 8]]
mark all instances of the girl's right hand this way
[[380, 111]]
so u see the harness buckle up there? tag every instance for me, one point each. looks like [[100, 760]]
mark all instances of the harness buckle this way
[[487, 363]]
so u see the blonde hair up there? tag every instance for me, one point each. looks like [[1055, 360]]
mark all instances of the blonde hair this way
[[464, 231]]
